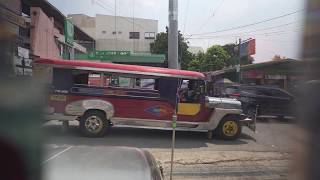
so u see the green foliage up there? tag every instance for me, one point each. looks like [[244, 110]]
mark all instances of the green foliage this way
[[214, 59], [160, 46], [195, 63]]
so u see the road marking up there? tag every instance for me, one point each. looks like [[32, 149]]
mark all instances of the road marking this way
[[56, 155]]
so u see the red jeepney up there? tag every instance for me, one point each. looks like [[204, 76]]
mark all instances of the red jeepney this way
[[100, 95]]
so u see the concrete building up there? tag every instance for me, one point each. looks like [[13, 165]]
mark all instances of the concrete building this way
[[14, 50], [195, 49], [118, 33], [49, 33]]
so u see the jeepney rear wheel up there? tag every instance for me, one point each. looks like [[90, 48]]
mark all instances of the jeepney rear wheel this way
[[229, 128], [94, 123]]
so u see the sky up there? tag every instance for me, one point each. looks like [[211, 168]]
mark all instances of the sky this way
[[200, 19]]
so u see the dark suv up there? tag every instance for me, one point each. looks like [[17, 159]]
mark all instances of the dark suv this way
[[271, 101]]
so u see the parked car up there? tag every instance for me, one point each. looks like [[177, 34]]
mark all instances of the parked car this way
[[271, 101], [93, 163]]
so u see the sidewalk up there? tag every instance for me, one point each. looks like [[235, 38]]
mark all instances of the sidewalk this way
[[203, 164]]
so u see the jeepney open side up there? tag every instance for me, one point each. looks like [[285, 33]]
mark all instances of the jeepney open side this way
[[132, 107]]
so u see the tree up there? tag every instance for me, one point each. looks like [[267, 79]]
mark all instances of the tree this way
[[160, 46], [214, 59], [195, 63]]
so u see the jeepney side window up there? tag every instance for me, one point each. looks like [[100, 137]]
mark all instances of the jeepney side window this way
[[146, 83], [62, 79], [81, 78]]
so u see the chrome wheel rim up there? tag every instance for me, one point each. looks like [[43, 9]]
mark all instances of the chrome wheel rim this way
[[93, 124]]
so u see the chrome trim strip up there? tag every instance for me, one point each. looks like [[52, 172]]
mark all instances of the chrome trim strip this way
[[60, 117]]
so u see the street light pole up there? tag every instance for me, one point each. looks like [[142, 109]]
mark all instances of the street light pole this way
[[173, 35]]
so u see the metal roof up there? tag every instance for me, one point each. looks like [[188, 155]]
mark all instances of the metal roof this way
[[120, 68]]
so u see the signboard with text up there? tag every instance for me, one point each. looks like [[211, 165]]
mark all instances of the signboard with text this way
[[106, 54], [68, 32], [248, 47]]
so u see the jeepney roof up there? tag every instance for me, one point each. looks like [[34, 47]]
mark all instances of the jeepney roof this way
[[120, 68]]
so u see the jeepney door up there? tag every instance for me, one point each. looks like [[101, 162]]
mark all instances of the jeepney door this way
[[190, 97]]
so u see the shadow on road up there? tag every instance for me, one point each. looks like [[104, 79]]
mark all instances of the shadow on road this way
[[132, 137]]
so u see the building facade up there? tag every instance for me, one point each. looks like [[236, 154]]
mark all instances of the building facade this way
[[13, 34], [52, 35], [118, 33], [286, 74]]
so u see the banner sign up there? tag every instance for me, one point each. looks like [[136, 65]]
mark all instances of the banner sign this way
[[68, 32], [106, 54], [248, 48]]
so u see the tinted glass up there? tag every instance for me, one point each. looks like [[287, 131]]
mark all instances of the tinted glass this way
[[278, 93]]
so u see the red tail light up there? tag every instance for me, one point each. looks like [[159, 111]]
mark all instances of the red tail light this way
[[235, 94]]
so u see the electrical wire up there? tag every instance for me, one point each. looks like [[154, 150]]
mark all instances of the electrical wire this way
[[251, 24], [186, 17], [245, 33], [213, 14], [104, 6]]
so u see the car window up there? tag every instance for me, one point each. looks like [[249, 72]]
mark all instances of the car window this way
[[266, 92], [278, 93], [249, 90], [231, 90]]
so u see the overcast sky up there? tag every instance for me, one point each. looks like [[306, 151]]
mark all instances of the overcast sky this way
[[281, 36]]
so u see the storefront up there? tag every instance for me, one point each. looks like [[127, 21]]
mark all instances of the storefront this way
[[286, 74]]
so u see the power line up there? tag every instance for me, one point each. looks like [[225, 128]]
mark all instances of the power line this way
[[251, 24], [255, 30], [241, 34], [213, 14], [105, 6], [186, 17], [272, 27]]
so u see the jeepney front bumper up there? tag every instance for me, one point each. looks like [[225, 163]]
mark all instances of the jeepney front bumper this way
[[249, 122]]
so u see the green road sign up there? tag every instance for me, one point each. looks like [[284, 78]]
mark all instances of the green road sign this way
[[68, 32]]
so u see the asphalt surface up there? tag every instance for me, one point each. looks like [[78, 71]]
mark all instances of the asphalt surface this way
[[265, 154]]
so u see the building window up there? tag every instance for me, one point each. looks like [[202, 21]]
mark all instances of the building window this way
[[114, 32], [149, 35], [104, 32], [134, 35], [119, 32]]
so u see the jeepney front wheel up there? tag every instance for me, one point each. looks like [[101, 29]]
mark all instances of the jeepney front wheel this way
[[94, 123], [229, 128]]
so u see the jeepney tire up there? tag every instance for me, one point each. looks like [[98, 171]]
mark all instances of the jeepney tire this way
[[95, 115], [231, 120]]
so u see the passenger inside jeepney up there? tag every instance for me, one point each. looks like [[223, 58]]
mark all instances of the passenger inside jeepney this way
[[189, 93]]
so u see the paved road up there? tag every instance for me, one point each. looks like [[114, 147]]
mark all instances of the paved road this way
[[261, 155]]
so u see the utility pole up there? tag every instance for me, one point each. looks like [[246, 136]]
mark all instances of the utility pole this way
[[133, 30], [173, 35], [115, 25], [173, 62], [239, 63]]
